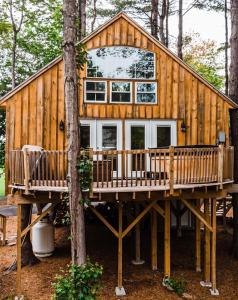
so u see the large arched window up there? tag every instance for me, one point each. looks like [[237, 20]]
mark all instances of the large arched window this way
[[127, 73], [121, 62]]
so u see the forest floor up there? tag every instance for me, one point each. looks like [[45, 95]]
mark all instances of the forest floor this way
[[139, 281]]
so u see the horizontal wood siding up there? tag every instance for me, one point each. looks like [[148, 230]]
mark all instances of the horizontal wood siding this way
[[34, 112]]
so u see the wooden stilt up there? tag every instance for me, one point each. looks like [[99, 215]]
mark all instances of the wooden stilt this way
[[119, 289], [167, 239], [154, 240], [207, 245], [198, 241], [137, 260], [214, 290], [178, 218], [18, 283], [224, 214]]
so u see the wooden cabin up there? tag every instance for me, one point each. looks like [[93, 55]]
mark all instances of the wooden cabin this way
[[157, 130]]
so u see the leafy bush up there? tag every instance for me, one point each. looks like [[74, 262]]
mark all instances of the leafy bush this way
[[85, 170], [175, 285], [79, 282]]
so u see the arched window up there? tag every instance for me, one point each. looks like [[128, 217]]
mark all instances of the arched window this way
[[121, 63]]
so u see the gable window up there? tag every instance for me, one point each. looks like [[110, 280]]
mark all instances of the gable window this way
[[95, 91], [120, 92], [146, 92], [121, 63]]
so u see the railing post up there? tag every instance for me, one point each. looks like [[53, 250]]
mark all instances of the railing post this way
[[26, 170], [220, 164], [90, 156], [171, 169]]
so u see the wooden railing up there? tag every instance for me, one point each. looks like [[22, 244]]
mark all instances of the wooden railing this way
[[127, 168]]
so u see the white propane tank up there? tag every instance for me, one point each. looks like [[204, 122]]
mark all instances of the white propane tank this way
[[43, 238]]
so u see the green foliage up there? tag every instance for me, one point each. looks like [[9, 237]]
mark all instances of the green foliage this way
[[205, 57], [85, 171], [79, 282], [2, 138], [62, 216], [175, 285]]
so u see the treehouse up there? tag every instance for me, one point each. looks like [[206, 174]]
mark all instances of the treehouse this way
[[156, 131]]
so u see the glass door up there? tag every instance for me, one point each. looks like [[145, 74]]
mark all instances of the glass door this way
[[137, 138], [109, 137], [163, 134]]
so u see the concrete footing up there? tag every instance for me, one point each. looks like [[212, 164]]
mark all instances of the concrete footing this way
[[137, 262], [214, 292], [120, 291], [206, 284]]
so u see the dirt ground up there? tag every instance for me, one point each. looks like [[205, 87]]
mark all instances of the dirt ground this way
[[139, 281]]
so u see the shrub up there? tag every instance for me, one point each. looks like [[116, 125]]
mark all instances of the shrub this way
[[175, 285], [79, 282]]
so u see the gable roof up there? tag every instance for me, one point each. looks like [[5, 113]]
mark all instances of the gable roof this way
[[149, 36]]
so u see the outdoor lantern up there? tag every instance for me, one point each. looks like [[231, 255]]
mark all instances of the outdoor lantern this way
[[183, 126], [61, 125]]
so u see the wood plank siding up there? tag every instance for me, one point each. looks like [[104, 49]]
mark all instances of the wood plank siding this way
[[34, 112]]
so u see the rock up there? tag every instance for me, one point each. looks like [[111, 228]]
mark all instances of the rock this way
[[187, 296]]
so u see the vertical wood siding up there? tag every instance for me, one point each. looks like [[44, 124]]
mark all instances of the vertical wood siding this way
[[34, 112]]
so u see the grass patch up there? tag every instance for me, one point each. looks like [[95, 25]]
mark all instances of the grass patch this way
[[2, 183]]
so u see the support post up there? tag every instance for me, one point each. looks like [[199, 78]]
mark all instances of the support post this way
[[154, 240], [198, 240], [214, 290], [18, 283], [167, 239], [120, 291], [26, 170], [171, 169], [220, 164], [207, 247], [137, 260]]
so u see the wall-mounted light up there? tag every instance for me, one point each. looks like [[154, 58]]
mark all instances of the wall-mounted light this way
[[61, 125], [183, 126]]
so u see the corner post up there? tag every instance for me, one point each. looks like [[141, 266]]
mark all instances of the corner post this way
[[26, 170], [214, 290], [220, 165], [198, 240], [171, 169], [18, 283], [167, 238], [120, 291]]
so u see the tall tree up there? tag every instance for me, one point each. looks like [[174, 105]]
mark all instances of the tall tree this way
[[226, 49], [233, 93], [82, 19], [16, 27], [154, 18], [180, 30], [78, 249]]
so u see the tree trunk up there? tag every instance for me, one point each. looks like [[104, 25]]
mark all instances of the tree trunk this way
[[94, 15], [180, 30], [233, 93], [14, 47], [167, 25], [226, 50], [162, 17], [154, 18], [82, 19], [78, 249]]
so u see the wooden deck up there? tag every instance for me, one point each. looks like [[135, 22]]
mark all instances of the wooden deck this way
[[126, 171]]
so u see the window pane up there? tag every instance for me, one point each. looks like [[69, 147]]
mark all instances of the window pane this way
[[121, 86], [121, 97], [95, 86], [137, 137], [85, 136], [120, 62], [100, 96], [146, 98], [90, 97], [109, 137], [146, 87], [163, 136]]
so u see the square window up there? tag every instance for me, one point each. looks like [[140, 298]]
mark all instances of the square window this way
[[95, 91], [121, 92], [146, 92]]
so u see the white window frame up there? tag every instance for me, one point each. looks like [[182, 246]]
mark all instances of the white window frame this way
[[173, 131], [156, 93], [99, 92], [115, 81], [139, 78]]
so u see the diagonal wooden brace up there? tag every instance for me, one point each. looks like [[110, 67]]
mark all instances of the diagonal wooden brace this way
[[197, 213]]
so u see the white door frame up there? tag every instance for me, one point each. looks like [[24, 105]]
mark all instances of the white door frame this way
[[163, 123]]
